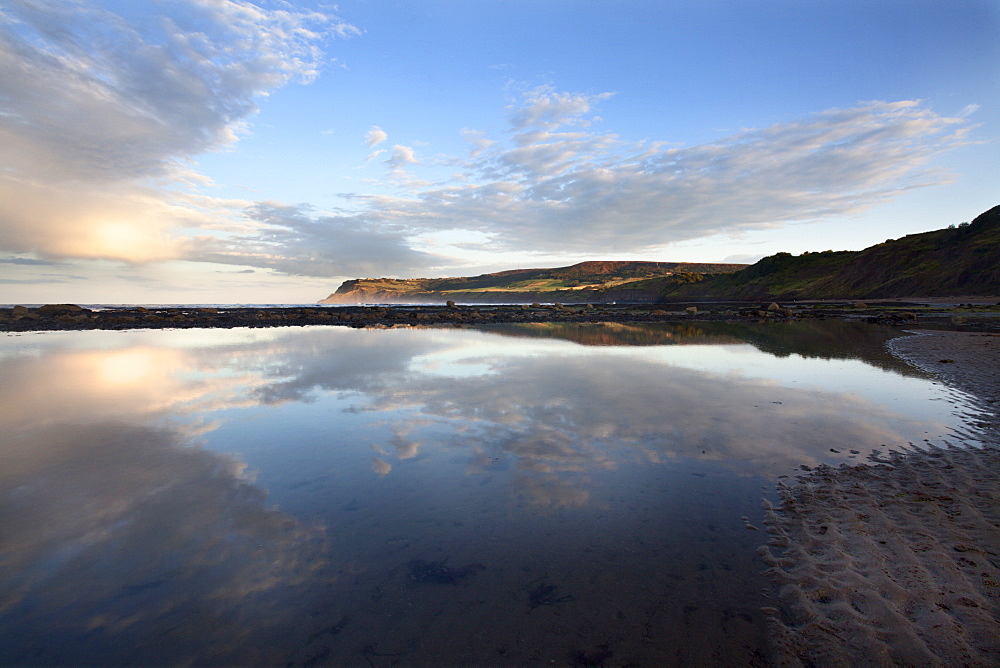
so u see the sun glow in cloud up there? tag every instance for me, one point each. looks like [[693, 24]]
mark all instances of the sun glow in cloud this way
[[126, 241], [91, 137]]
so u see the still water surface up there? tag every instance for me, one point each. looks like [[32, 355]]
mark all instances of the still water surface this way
[[567, 494]]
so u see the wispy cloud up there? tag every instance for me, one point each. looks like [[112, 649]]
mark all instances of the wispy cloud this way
[[968, 110], [546, 108], [298, 241], [28, 261], [401, 157], [42, 279], [548, 188], [375, 136], [478, 141]]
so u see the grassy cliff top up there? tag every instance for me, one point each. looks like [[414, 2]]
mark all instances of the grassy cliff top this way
[[960, 260], [596, 275]]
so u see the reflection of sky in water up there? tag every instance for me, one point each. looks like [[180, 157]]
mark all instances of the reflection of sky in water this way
[[193, 495]]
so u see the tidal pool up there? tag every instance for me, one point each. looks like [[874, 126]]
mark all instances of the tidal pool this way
[[567, 494]]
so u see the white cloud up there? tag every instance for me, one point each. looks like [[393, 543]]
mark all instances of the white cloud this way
[[546, 108], [98, 117], [477, 139], [579, 191], [95, 100], [295, 240], [968, 110], [401, 157], [375, 136]]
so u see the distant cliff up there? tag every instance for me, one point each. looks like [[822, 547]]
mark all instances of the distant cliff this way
[[586, 282], [960, 260]]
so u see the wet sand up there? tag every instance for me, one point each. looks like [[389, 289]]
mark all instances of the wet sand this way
[[897, 562]]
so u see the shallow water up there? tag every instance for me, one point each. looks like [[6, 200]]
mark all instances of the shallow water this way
[[567, 494]]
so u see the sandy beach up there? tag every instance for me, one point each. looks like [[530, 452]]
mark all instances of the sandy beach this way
[[897, 561]]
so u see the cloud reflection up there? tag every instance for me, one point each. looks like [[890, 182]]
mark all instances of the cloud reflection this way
[[571, 413], [118, 518], [552, 409], [113, 529], [545, 406]]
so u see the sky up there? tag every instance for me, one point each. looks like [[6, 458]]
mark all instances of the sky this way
[[224, 151]]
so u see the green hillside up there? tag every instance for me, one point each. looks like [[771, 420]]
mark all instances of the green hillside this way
[[961, 260], [584, 281]]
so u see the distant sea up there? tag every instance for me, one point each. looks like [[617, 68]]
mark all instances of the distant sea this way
[[101, 307]]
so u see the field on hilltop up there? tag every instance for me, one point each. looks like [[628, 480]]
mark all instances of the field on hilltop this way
[[580, 282]]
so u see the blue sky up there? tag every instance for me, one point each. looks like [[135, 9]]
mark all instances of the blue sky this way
[[220, 151]]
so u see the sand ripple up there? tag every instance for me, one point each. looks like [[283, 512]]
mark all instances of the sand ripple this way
[[897, 562]]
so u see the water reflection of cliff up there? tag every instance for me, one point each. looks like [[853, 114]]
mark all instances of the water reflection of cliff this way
[[617, 333], [809, 338]]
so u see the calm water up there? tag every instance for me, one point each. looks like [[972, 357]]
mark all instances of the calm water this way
[[533, 494]]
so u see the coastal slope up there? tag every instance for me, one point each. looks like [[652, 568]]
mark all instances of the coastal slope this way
[[960, 260], [584, 282]]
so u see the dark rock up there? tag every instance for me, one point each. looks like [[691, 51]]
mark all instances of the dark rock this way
[[58, 309], [892, 318]]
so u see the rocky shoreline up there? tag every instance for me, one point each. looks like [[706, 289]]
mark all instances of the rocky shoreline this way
[[73, 317]]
